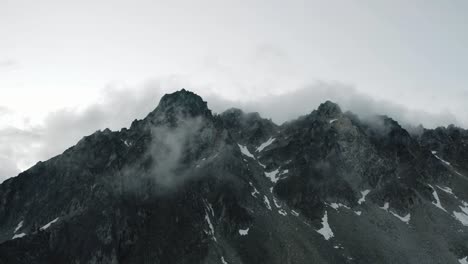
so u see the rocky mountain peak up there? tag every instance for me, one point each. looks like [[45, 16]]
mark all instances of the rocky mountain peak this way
[[180, 104], [329, 109]]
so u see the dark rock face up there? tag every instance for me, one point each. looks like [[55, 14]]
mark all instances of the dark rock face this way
[[186, 186]]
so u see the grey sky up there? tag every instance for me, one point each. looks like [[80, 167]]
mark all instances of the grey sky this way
[[68, 64]]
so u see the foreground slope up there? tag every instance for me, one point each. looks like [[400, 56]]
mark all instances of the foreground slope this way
[[186, 186]]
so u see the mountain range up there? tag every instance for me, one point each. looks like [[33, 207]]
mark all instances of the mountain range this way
[[184, 185]]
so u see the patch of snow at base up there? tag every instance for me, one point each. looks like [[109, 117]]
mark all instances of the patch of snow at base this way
[[333, 120], [18, 236], [463, 260], [294, 213], [272, 175], [436, 197], [244, 150], [405, 218], [282, 212], [20, 224], [265, 144], [128, 144], [363, 197], [271, 189], [223, 261], [49, 224], [243, 232], [325, 231], [267, 202], [358, 212]]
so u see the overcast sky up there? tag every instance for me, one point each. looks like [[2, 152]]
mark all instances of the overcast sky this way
[[68, 68]]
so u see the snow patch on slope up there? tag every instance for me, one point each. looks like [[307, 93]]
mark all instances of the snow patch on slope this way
[[462, 216], [436, 197], [276, 203], [223, 261], [463, 260], [325, 231], [385, 207], [446, 189], [49, 224], [209, 210], [267, 202], [243, 232], [265, 144], [338, 205], [435, 155], [255, 191], [363, 197], [18, 236], [405, 218], [244, 150], [272, 175], [20, 224], [282, 212]]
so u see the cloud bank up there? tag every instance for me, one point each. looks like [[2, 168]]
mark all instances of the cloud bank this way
[[118, 107]]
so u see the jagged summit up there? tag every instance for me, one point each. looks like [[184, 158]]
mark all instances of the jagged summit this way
[[180, 104], [329, 109]]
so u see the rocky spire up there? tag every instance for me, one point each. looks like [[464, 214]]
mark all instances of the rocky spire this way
[[180, 104]]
